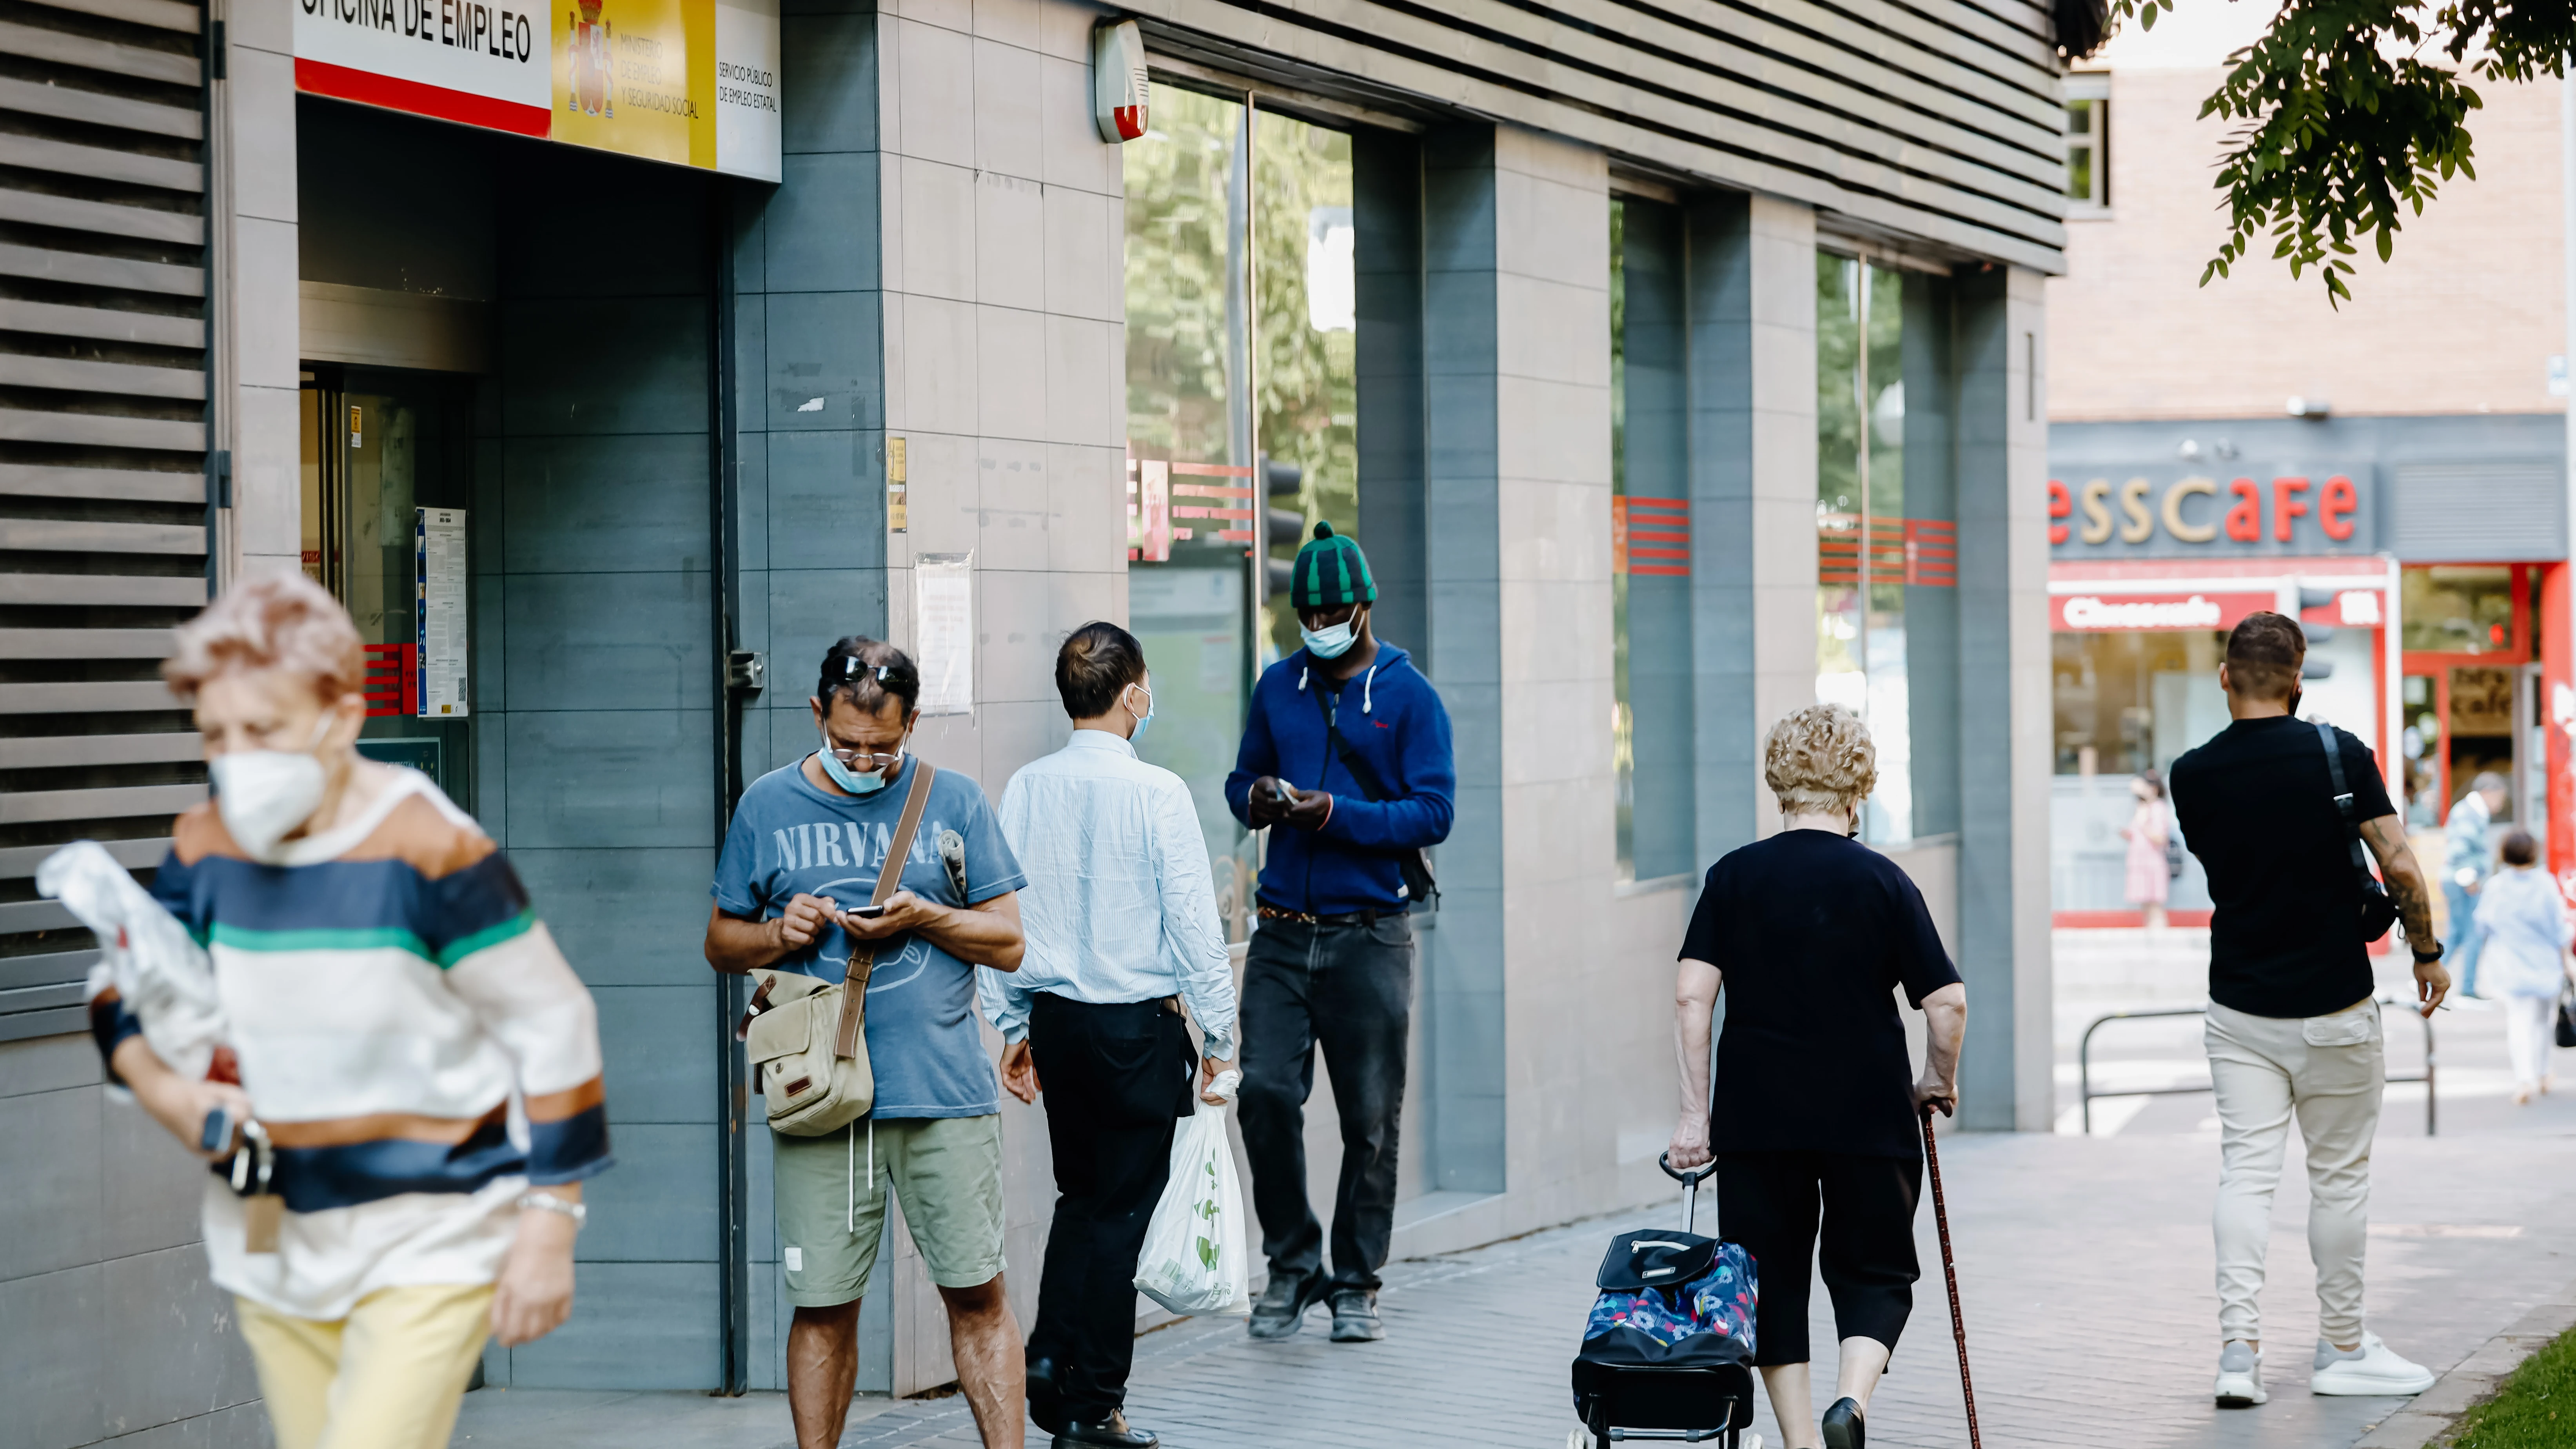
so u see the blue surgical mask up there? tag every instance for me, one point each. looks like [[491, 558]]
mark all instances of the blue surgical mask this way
[[1143, 721], [1329, 643], [851, 780]]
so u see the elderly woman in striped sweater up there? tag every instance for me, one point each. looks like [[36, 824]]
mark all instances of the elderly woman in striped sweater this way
[[416, 1067]]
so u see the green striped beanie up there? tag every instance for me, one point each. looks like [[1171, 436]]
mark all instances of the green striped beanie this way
[[1330, 572]]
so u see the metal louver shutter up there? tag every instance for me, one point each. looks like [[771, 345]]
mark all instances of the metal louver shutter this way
[[2472, 512], [103, 506]]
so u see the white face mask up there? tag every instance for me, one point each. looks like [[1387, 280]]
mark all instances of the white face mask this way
[[1332, 641], [263, 794]]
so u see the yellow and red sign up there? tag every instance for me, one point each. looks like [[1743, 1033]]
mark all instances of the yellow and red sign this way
[[690, 82]]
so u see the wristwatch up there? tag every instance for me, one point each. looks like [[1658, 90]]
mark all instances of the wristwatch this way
[[2433, 955], [548, 1202]]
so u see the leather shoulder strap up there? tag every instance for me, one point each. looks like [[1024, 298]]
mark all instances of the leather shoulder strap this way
[[899, 850], [863, 961]]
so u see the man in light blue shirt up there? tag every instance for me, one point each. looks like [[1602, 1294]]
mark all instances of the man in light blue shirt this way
[[1121, 927]]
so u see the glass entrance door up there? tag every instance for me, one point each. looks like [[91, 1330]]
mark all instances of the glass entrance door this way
[[387, 480]]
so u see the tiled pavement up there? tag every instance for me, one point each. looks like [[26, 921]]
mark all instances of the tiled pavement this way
[[2085, 1264]]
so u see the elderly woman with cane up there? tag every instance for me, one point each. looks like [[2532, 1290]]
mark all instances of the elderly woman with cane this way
[[1815, 1128]]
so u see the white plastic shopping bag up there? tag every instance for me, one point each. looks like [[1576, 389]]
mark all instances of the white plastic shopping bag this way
[[1194, 1260], [158, 970]]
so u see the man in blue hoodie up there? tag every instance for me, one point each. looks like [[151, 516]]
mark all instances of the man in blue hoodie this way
[[1347, 755]]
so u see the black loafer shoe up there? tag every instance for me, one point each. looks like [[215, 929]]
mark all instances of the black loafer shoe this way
[[1046, 1405], [1355, 1316], [1109, 1433], [1282, 1308], [1842, 1426]]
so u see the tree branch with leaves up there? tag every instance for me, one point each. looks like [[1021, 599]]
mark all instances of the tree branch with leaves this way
[[2351, 114]]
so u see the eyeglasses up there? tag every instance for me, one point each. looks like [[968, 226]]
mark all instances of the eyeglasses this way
[[864, 761]]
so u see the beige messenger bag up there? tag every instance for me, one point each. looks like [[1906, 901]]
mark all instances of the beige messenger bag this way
[[807, 1040]]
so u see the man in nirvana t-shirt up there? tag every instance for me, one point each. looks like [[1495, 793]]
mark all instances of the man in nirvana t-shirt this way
[[2292, 1027]]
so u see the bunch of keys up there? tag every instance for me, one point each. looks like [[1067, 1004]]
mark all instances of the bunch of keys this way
[[263, 1210]]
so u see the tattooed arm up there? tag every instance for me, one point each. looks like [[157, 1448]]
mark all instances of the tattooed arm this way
[[2386, 837]]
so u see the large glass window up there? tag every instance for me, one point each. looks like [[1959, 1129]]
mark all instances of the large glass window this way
[[1191, 495], [2127, 702], [1860, 488], [1241, 332], [2459, 609], [1650, 541], [1887, 611], [1308, 369]]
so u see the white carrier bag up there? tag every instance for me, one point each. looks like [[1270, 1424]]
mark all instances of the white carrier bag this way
[[1195, 1254]]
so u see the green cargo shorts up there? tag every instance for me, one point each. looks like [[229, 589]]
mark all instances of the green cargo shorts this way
[[832, 1202]]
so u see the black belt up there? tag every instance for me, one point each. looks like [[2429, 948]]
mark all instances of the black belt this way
[[1149, 1006], [1348, 918]]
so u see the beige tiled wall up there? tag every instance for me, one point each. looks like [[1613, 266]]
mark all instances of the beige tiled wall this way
[[2471, 302], [1004, 248], [254, 213]]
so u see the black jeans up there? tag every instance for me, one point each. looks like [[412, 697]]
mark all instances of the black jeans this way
[[1770, 1202], [1116, 1080], [1347, 987]]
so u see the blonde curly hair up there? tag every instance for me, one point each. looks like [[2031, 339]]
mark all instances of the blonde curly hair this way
[[1819, 761], [283, 621]]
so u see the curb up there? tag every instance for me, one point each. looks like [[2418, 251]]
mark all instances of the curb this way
[[2429, 1417]]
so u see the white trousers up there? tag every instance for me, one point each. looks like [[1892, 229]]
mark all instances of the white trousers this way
[[2530, 1030], [2328, 1071]]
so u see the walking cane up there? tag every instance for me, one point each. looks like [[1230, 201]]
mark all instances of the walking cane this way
[[1950, 1273]]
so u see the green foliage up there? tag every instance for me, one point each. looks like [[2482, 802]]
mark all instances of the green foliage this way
[[2526, 1414], [1306, 381], [2347, 124], [1180, 370]]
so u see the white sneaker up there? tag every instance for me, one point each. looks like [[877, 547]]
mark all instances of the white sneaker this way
[[2240, 1376], [2370, 1370]]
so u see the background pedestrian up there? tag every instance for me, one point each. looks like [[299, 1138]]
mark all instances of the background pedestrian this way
[[1120, 910], [1331, 963], [2148, 831], [2527, 934], [1812, 932], [2468, 858], [2292, 1029]]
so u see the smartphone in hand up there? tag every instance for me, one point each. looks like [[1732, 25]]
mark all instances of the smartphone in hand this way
[[869, 913], [217, 1134]]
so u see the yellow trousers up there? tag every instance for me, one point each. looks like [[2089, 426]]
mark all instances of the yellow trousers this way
[[388, 1376]]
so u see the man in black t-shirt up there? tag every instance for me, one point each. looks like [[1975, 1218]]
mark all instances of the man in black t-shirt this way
[[2292, 1028]]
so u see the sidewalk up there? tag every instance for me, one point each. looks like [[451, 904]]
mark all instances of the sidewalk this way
[[2085, 1264]]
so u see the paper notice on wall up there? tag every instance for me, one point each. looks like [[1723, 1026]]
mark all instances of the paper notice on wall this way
[[438, 555], [944, 630]]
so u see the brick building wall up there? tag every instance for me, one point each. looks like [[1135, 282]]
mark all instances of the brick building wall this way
[[2464, 319]]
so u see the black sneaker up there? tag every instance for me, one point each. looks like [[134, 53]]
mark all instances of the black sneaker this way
[[1281, 1310], [1842, 1426], [1355, 1316]]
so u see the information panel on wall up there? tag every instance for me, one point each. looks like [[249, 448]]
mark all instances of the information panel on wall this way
[[690, 82], [439, 584]]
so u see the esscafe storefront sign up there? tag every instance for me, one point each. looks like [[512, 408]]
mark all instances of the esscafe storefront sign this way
[[2130, 613], [2311, 513]]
